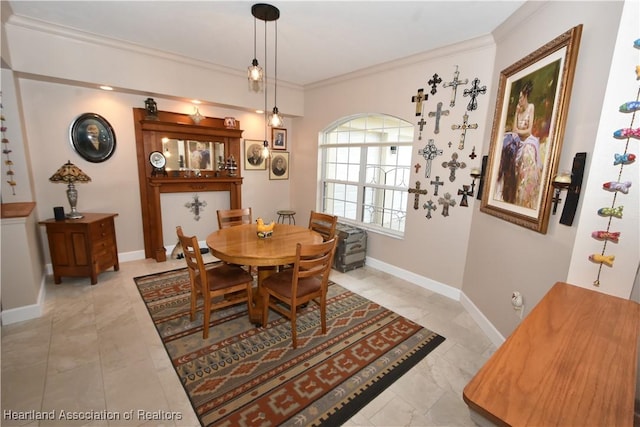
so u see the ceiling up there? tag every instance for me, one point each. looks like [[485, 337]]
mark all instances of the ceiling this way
[[317, 40]]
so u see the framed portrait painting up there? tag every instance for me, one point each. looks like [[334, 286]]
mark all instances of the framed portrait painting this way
[[528, 129], [92, 137], [279, 168], [254, 158], [279, 139]]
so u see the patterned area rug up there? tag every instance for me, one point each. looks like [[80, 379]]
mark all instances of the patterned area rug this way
[[247, 376]]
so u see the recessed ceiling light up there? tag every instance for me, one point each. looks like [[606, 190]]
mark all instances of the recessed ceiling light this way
[[197, 101], [104, 87], [260, 111]]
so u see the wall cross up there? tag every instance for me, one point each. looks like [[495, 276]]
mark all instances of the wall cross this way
[[418, 98], [429, 152], [435, 80], [446, 202], [453, 165], [464, 192], [437, 183], [464, 126], [454, 85], [473, 93], [417, 191], [437, 114], [196, 206], [429, 206]]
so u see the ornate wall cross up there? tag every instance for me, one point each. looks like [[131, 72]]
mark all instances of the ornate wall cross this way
[[473, 93], [453, 164], [434, 82], [196, 206], [439, 112], [437, 183], [417, 191], [454, 85], [421, 123], [464, 192], [464, 126], [446, 202], [429, 206], [418, 98], [429, 152]]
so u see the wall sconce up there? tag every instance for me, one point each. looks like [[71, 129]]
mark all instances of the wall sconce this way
[[560, 182], [70, 174], [478, 173]]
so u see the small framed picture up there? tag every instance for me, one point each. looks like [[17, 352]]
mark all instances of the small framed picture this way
[[279, 139], [92, 137], [253, 155], [279, 166]]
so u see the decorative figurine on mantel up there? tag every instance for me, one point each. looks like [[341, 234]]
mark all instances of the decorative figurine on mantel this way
[[151, 108], [231, 166]]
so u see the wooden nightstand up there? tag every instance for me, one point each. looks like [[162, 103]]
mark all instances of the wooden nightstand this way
[[82, 247]]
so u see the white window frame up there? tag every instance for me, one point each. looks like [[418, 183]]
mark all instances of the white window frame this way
[[389, 218]]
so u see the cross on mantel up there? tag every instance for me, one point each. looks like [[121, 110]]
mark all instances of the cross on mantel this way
[[196, 206], [417, 191]]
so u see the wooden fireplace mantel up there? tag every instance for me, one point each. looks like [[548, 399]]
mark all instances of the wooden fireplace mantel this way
[[149, 135]]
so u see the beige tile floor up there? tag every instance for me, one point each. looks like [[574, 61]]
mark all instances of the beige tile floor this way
[[96, 352]]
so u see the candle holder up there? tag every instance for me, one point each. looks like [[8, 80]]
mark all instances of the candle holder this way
[[560, 182]]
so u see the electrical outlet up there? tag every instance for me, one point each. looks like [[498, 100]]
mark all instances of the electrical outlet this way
[[517, 301]]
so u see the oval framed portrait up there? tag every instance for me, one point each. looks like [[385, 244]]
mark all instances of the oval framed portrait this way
[[92, 137]]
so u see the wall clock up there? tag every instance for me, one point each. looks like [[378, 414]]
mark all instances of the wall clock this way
[[92, 137]]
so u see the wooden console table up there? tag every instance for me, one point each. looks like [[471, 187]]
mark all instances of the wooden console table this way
[[82, 247], [571, 362]]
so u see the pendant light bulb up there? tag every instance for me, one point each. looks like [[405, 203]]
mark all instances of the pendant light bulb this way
[[255, 72], [275, 120]]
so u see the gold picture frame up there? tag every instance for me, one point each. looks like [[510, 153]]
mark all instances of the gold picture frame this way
[[279, 165], [279, 139], [253, 155], [527, 134]]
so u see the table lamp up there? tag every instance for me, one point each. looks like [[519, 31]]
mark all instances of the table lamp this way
[[71, 174]]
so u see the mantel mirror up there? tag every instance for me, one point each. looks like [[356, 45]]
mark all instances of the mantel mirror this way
[[187, 154]]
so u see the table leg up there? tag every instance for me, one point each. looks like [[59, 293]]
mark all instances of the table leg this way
[[255, 315]]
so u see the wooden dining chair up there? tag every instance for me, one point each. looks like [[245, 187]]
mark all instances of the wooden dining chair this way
[[324, 224], [231, 217], [307, 281], [219, 286]]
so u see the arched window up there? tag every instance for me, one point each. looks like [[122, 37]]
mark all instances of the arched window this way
[[365, 170]]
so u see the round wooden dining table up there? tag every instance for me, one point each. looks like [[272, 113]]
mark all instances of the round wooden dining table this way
[[241, 245]]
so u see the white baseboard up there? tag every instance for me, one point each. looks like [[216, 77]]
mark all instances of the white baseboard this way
[[26, 312], [448, 291]]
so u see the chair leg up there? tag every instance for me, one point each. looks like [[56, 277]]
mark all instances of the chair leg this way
[[265, 307], [194, 300], [323, 314], [206, 317], [294, 328]]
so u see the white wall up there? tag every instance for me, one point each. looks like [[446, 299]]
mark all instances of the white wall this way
[[502, 256], [433, 248]]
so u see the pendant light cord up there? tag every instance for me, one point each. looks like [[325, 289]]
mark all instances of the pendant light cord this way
[[265, 82]]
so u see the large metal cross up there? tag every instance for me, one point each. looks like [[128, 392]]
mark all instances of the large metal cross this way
[[454, 85], [437, 114], [446, 202], [452, 165], [417, 191], [473, 93], [429, 152], [464, 192], [429, 206], [464, 126], [418, 98], [435, 80], [437, 183]]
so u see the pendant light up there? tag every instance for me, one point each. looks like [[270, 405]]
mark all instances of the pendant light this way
[[275, 120], [254, 73]]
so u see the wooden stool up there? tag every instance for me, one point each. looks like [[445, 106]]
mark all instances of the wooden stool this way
[[289, 215]]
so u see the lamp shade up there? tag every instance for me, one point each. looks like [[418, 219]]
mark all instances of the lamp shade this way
[[69, 173]]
